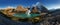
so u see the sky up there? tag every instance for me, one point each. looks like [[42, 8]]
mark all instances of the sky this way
[[14, 3], [50, 4]]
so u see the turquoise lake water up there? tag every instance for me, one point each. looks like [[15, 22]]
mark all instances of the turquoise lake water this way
[[26, 15]]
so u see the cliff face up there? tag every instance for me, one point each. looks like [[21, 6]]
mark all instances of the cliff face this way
[[39, 7], [34, 9], [44, 9], [8, 11], [21, 8], [11, 11]]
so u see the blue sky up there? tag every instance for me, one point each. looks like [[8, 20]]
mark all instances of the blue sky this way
[[51, 4], [4, 3], [13, 3]]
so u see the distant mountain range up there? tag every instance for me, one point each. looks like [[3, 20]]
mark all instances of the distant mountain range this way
[[40, 7], [55, 12]]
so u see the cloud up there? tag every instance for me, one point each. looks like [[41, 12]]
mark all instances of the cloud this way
[[10, 7], [33, 5], [53, 6], [1, 8], [7, 7], [37, 4]]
